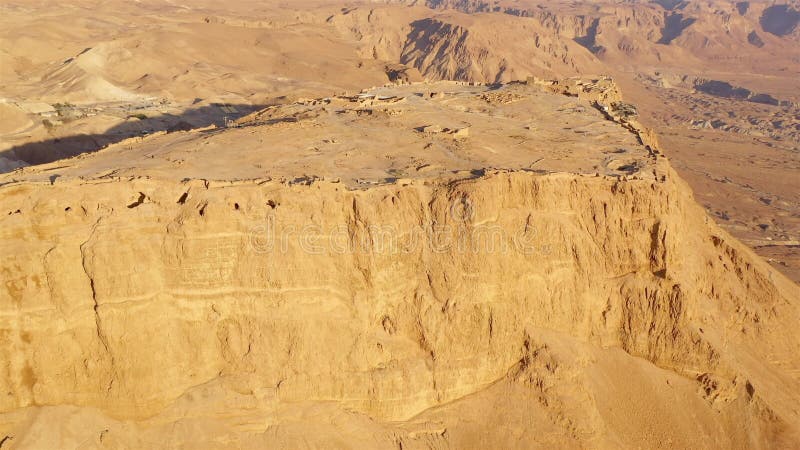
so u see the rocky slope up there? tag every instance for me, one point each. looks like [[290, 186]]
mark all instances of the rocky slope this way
[[162, 293]]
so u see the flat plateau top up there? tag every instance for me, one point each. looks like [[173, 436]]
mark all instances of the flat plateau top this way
[[381, 135]]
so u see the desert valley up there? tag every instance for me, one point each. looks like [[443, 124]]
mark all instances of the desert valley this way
[[400, 224]]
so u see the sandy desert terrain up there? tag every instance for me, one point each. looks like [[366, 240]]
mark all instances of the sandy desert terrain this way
[[400, 224]]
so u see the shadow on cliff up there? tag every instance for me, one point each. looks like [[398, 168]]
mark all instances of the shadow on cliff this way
[[43, 152]]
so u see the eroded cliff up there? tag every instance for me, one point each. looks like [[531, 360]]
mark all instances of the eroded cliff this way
[[582, 300]]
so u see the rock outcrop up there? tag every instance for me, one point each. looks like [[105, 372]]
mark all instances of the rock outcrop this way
[[512, 306]]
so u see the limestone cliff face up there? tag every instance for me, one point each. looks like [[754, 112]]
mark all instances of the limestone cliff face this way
[[124, 295], [454, 47], [387, 288]]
